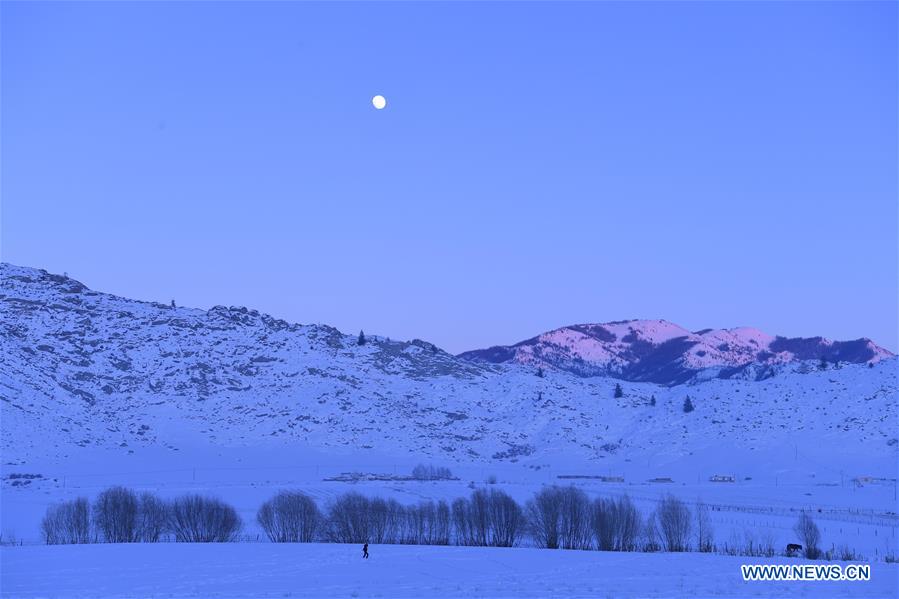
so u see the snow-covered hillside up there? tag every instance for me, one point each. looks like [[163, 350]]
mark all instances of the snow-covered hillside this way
[[85, 370], [662, 352]]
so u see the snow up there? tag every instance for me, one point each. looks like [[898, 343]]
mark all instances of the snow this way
[[626, 349], [653, 331], [320, 570], [99, 390], [578, 344], [765, 500], [82, 369]]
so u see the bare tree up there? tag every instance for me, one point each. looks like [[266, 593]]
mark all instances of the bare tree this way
[[807, 531], [616, 524], [476, 517], [574, 523], [544, 513], [290, 517], [403, 530], [152, 518], [488, 519], [651, 537], [349, 519], [472, 518], [479, 517], [506, 519], [442, 524], [705, 534], [627, 524], [115, 515], [464, 533], [385, 520], [395, 522], [428, 523], [418, 520], [602, 519], [674, 523], [198, 519], [51, 526], [67, 523]]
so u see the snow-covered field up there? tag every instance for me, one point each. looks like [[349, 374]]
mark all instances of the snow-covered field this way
[[333, 570], [858, 517]]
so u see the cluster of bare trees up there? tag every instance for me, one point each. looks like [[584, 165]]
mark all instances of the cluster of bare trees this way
[[488, 519], [290, 517], [354, 518], [427, 523], [564, 517], [199, 519], [119, 515], [616, 524], [674, 523], [555, 518], [67, 523], [429, 472], [560, 518]]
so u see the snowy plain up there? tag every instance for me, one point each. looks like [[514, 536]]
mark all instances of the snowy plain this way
[[335, 570]]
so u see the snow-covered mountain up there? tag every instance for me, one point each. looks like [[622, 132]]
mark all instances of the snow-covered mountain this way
[[662, 352], [84, 369]]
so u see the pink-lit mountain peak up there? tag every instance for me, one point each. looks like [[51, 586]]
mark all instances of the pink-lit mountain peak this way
[[662, 351]]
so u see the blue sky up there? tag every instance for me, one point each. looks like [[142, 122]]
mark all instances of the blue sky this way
[[714, 164]]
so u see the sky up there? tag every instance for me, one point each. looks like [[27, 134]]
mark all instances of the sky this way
[[538, 164]]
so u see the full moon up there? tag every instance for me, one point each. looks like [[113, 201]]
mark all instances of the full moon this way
[[379, 102]]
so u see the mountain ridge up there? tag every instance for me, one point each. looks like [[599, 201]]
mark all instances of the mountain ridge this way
[[662, 352], [82, 369]]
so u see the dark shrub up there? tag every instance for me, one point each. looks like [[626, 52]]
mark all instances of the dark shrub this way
[[809, 535]]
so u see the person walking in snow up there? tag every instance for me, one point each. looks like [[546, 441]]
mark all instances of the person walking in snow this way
[[365, 551]]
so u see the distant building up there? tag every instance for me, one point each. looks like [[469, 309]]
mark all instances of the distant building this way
[[723, 478]]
